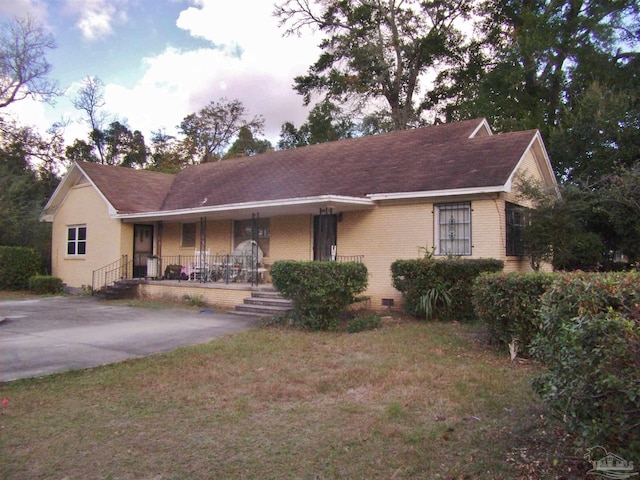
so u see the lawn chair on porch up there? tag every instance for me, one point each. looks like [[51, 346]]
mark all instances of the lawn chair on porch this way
[[249, 255], [200, 270]]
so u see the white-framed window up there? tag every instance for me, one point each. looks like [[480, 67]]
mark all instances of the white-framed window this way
[[188, 235], [76, 240], [453, 228]]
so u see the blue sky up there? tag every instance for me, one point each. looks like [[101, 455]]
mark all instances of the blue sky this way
[[162, 60]]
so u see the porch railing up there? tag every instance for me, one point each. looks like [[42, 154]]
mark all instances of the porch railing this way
[[350, 258], [224, 268], [119, 270]]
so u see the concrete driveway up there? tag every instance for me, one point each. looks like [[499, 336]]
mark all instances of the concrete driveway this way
[[48, 335]]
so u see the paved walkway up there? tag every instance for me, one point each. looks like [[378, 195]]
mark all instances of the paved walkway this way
[[48, 335]]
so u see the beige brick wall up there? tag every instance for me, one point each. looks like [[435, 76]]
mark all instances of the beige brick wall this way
[[83, 206], [222, 298], [384, 235], [291, 238]]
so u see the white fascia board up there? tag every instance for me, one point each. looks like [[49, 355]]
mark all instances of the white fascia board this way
[[436, 193], [537, 137], [289, 202], [483, 124]]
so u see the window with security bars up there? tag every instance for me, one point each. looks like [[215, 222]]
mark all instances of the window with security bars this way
[[77, 240], [454, 228], [516, 219]]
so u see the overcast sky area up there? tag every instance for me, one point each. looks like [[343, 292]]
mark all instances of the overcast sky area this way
[[161, 60]]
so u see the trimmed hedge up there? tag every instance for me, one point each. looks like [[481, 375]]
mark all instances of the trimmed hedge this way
[[590, 341], [319, 291], [45, 284], [17, 266], [414, 278], [509, 303]]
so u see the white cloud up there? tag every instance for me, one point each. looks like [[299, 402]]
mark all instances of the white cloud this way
[[177, 83], [96, 17]]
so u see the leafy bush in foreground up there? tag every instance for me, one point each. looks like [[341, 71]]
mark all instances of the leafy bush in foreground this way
[[319, 291], [590, 341], [509, 303]]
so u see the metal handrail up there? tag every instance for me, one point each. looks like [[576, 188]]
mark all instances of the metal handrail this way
[[109, 274]]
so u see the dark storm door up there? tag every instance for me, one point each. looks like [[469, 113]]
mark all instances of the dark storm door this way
[[325, 236], [142, 248]]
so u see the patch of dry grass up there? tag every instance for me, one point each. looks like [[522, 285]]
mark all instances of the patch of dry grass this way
[[407, 401]]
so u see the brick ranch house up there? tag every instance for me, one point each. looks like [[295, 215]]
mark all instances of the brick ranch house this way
[[446, 188]]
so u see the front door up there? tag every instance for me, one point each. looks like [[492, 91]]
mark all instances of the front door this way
[[325, 235], [142, 249]]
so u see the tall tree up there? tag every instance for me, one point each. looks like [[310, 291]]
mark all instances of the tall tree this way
[[377, 50], [124, 147], [167, 154], [326, 123], [209, 132], [30, 166], [523, 70], [24, 68], [247, 145], [90, 100]]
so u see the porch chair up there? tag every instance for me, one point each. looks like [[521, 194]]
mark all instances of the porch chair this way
[[201, 269], [244, 255]]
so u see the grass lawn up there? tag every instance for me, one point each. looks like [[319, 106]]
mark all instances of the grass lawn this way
[[410, 400]]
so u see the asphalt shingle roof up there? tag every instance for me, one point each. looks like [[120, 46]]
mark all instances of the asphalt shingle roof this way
[[440, 157]]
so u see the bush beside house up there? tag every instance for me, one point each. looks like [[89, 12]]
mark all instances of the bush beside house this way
[[425, 279], [45, 284], [319, 291]]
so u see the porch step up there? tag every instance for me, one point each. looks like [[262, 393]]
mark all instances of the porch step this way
[[121, 289], [265, 303]]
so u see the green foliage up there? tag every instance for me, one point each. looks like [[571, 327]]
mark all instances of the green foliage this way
[[428, 282], [319, 291], [434, 299], [45, 284], [17, 266], [590, 341], [509, 303], [209, 132], [193, 300], [365, 322], [377, 51]]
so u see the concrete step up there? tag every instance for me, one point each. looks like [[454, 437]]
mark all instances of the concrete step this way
[[265, 303], [121, 289], [268, 301], [263, 310]]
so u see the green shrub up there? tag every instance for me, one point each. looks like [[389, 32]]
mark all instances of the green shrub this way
[[17, 266], [509, 303], [45, 284], [365, 322], [319, 291], [590, 341], [423, 281]]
